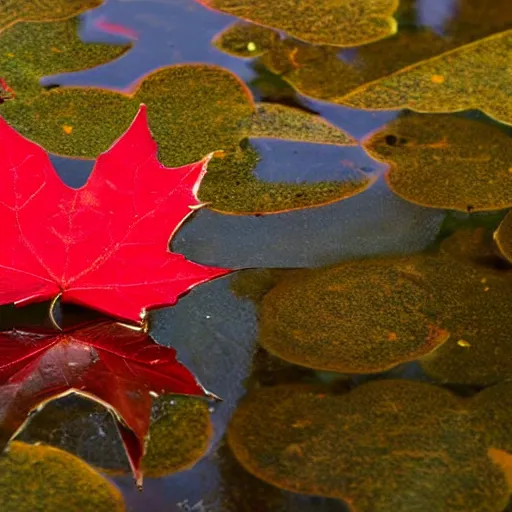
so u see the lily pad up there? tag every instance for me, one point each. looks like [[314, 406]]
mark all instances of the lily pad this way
[[193, 110], [179, 435], [45, 479], [474, 76], [14, 11], [474, 299], [387, 445], [341, 23], [359, 317], [503, 237], [446, 162], [327, 73]]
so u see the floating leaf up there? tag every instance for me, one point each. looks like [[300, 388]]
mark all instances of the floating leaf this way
[[104, 245], [474, 76], [359, 317], [343, 23], [387, 445], [14, 11], [42, 478], [446, 162], [194, 110], [105, 362]]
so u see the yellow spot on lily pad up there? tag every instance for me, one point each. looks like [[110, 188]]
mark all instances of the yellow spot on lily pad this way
[[445, 161], [67, 129], [340, 23], [42, 478], [385, 446]]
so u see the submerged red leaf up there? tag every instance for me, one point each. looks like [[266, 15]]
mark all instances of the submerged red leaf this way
[[105, 245], [106, 362]]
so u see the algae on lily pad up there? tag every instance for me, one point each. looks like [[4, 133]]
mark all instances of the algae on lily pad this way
[[444, 161], [45, 479], [340, 23], [14, 11], [386, 445], [359, 317], [193, 110], [474, 76]]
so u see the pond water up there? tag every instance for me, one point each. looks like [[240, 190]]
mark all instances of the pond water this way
[[362, 346]]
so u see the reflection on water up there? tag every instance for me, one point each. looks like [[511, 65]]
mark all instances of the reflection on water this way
[[430, 431]]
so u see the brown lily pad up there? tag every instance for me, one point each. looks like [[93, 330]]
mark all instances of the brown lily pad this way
[[341, 23], [446, 162], [474, 299], [474, 76], [387, 445], [193, 110], [359, 317], [45, 479], [14, 11]]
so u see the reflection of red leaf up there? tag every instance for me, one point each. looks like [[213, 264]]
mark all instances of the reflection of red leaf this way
[[104, 245], [106, 362]]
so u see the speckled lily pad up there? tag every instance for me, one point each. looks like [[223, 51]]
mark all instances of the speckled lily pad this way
[[474, 76], [474, 298], [326, 73], [193, 110], [359, 317], [45, 479], [387, 445], [446, 162], [14, 11], [341, 23]]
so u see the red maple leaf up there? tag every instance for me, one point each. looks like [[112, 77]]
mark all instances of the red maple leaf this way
[[106, 362], [105, 245]]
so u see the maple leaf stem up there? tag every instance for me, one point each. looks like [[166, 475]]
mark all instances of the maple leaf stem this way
[[51, 312]]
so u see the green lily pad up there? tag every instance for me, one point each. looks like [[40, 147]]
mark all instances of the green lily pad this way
[[387, 445], [342, 23], [14, 11], [33, 50], [359, 317], [325, 73], [503, 237], [446, 162], [45, 479], [179, 435], [474, 76], [193, 110]]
